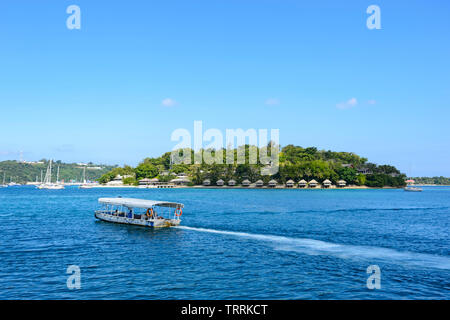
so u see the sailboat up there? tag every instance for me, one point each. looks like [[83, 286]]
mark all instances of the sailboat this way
[[47, 183], [410, 186], [3, 185], [85, 184]]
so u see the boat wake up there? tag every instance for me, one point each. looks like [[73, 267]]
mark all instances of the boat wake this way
[[317, 247]]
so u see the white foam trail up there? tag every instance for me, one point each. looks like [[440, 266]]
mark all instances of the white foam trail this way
[[317, 247]]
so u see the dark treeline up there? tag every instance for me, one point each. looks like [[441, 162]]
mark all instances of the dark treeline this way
[[295, 163], [432, 180]]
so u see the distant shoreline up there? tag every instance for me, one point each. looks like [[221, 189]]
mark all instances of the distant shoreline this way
[[242, 187]]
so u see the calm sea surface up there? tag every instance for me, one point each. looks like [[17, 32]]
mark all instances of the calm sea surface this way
[[234, 244]]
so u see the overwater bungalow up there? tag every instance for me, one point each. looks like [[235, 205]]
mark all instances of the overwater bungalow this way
[[220, 182], [273, 183], [341, 183], [302, 183], [206, 182], [232, 183], [259, 183], [313, 183], [290, 184], [246, 183], [326, 183]]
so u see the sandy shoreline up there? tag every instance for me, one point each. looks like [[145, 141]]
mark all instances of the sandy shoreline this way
[[241, 187]]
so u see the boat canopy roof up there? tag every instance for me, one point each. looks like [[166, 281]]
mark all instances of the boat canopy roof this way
[[139, 203]]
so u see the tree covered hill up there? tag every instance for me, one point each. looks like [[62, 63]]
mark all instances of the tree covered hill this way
[[22, 172], [432, 180], [295, 163]]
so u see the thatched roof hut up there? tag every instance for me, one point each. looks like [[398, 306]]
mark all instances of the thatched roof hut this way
[[302, 183], [342, 183], [232, 182], [246, 183], [220, 182], [206, 182], [326, 183], [290, 183], [313, 183], [259, 183], [272, 183]]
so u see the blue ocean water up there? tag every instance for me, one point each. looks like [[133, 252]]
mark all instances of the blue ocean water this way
[[233, 244]]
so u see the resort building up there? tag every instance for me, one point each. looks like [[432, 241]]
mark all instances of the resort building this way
[[180, 181], [149, 182], [182, 175], [302, 183], [364, 171], [313, 183], [273, 183], [259, 183], [220, 182], [326, 183], [341, 183], [117, 181], [232, 183], [144, 182], [246, 183], [206, 182], [290, 184]]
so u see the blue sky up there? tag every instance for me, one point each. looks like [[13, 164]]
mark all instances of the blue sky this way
[[114, 90]]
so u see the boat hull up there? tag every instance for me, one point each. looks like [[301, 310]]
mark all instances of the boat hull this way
[[413, 189], [151, 223]]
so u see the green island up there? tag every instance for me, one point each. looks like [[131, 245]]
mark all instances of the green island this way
[[295, 164], [30, 171], [438, 181]]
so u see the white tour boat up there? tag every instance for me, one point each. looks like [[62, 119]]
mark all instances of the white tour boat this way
[[148, 213]]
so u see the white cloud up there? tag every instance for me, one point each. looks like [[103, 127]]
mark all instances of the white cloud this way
[[168, 102], [272, 102], [351, 103]]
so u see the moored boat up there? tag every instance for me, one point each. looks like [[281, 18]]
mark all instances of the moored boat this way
[[3, 185], [47, 184], [148, 213], [412, 189]]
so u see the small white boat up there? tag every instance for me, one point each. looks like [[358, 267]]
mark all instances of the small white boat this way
[[413, 189], [85, 184], [148, 213]]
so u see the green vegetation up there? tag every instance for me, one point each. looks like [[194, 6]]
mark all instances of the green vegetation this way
[[25, 172], [432, 180], [295, 163]]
